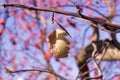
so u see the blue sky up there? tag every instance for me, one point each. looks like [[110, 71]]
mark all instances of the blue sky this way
[[77, 36]]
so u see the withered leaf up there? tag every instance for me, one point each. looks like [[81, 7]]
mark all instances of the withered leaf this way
[[59, 45]]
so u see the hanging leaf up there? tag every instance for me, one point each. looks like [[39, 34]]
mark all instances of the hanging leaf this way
[[58, 43]]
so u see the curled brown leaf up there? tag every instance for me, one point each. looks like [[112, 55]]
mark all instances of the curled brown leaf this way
[[58, 43]]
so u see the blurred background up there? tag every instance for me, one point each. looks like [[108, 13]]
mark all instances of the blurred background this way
[[24, 33]]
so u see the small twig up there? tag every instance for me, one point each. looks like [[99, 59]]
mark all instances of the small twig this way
[[89, 59], [79, 9], [53, 17], [104, 51], [96, 65], [87, 7], [38, 70], [100, 28], [88, 71], [62, 27], [84, 36]]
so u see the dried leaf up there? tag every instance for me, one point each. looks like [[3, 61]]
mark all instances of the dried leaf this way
[[58, 43]]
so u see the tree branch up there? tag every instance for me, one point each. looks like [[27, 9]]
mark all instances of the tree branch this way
[[38, 70], [112, 27]]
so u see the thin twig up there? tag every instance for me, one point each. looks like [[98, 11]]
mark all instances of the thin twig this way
[[53, 17], [62, 28], [77, 7], [28, 70], [87, 7], [96, 65], [104, 51]]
